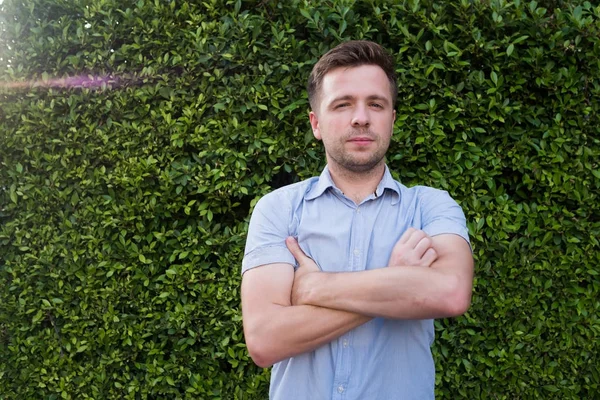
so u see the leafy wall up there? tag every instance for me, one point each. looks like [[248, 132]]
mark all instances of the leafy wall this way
[[135, 137]]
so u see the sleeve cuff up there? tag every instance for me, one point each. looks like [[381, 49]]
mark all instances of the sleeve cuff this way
[[267, 255], [443, 227]]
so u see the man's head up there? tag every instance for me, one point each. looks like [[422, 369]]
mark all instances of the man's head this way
[[347, 55], [352, 91]]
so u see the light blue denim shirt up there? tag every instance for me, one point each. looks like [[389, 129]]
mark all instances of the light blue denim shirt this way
[[384, 358]]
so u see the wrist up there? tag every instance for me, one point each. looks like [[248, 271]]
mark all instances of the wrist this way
[[310, 288]]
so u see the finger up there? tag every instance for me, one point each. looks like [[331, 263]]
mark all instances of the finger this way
[[423, 245], [415, 238], [429, 257], [294, 248], [406, 235]]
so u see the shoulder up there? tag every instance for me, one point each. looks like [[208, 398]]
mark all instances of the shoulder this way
[[428, 196], [431, 203], [420, 196], [428, 191], [440, 213], [286, 196]]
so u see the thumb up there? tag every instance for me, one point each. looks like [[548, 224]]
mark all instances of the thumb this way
[[294, 248]]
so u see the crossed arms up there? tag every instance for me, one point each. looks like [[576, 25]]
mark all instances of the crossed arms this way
[[287, 313]]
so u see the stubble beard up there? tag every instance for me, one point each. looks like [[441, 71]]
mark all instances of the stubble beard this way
[[358, 165]]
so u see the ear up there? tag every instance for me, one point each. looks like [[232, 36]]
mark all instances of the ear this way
[[314, 123], [394, 119]]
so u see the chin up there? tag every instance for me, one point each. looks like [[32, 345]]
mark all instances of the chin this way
[[362, 167]]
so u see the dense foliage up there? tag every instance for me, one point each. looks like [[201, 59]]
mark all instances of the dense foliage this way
[[135, 137]]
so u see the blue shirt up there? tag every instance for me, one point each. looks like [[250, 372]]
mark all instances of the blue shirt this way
[[384, 358]]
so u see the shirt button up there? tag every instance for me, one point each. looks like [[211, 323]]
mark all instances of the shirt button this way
[[345, 343], [356, 252], [340, 389], [358, 209]]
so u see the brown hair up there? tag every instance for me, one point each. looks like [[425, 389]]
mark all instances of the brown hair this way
[[351, 54]]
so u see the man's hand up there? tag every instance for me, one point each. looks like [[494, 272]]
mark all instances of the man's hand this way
[[303, 275], [414, 248]]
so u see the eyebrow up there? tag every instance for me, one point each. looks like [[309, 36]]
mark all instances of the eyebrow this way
[[350, 97]]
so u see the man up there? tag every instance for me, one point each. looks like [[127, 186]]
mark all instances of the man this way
[[376, 261]]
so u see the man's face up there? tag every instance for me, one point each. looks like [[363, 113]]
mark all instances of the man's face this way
[[354, 117]]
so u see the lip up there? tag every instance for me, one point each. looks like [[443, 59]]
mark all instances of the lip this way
[[361, 140]]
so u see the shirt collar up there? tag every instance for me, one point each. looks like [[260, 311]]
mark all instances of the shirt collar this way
[[325, 182], [388, 182]]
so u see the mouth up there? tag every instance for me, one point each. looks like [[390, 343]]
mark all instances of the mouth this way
[[361, 140]]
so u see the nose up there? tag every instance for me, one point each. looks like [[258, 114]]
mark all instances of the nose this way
[[360, 117]]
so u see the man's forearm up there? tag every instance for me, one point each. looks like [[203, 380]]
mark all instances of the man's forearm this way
[[281, 331], [442, 289], [274, 328], [400, 293]]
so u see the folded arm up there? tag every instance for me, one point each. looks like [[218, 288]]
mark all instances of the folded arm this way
[[276, 330], [278, 326], [442, 290]]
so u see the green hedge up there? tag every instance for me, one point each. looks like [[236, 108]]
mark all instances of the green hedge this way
[[125, 191]]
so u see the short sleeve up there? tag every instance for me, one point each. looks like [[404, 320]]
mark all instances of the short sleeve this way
[[269, 227], [441, 214]]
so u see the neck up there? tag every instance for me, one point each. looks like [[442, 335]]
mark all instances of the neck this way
[[357, 185]]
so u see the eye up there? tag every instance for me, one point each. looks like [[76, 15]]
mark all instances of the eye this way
[[376, 105], [342, 105]]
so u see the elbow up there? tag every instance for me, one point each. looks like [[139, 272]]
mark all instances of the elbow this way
[[459, 305], [458, 299], [258, 351], [260, 359]]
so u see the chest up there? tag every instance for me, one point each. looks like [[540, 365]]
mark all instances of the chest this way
[[341, 236]]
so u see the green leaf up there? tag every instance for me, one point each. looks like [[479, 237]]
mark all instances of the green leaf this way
[[510, 49], [13, 194], [520, 39], [74, 198], [305, 14], [551, 388], [37, 317]]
